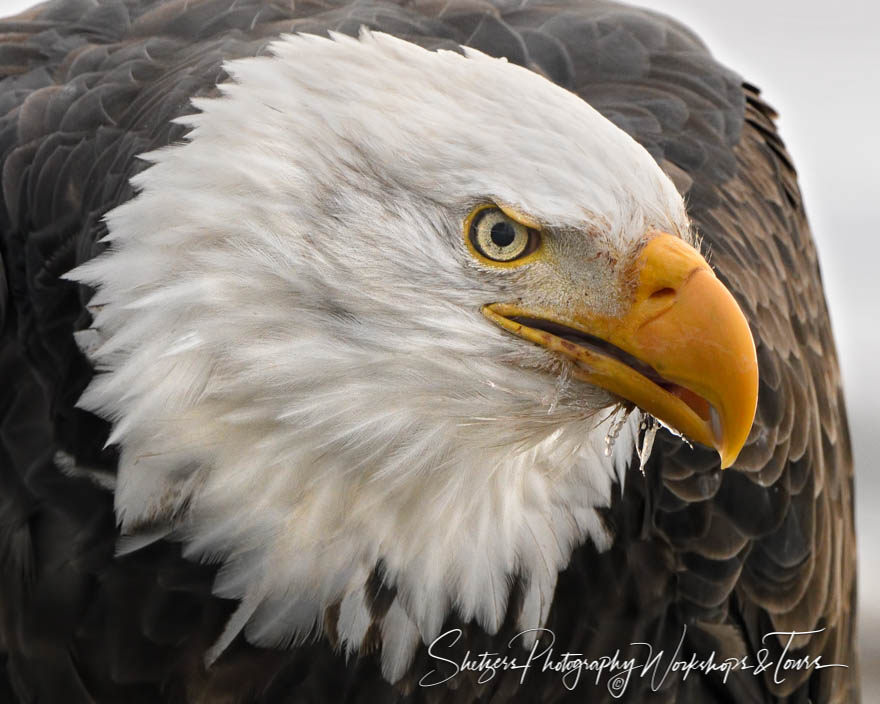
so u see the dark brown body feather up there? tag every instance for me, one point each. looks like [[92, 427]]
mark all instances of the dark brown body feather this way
[[765, 546]]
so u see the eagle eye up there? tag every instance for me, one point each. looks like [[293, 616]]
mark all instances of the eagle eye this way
[[499, 238]]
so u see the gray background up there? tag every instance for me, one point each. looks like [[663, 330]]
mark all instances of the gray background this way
[[818, 64]]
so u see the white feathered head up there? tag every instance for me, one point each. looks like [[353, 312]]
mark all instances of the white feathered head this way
[[383, 307]]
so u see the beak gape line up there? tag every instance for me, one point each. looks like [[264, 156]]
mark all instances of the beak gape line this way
[[682, 350]]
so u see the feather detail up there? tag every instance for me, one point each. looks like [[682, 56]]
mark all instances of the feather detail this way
[[300, 434], [399, 640]]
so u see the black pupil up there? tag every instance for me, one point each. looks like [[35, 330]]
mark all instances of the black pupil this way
[[503, 234]]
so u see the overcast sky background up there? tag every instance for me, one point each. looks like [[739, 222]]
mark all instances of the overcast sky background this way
[[818, 64]]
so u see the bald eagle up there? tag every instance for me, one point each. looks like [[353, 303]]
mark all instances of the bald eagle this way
[[409, 351]]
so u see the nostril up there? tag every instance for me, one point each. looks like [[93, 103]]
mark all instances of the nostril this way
[[663, 293]]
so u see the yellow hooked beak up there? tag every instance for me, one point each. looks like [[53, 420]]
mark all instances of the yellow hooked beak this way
[[682, 351]]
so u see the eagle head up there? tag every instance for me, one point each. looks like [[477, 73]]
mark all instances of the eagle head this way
[[377, 316]]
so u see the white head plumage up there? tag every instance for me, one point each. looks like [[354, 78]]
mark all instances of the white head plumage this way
[[292, 351]]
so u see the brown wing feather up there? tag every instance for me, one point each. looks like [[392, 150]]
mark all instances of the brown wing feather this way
[[799, 570]]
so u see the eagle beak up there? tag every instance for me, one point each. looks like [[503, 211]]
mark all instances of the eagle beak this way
[[682, 350]]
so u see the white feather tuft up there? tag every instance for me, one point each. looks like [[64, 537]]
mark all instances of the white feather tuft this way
[[399, 640]]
